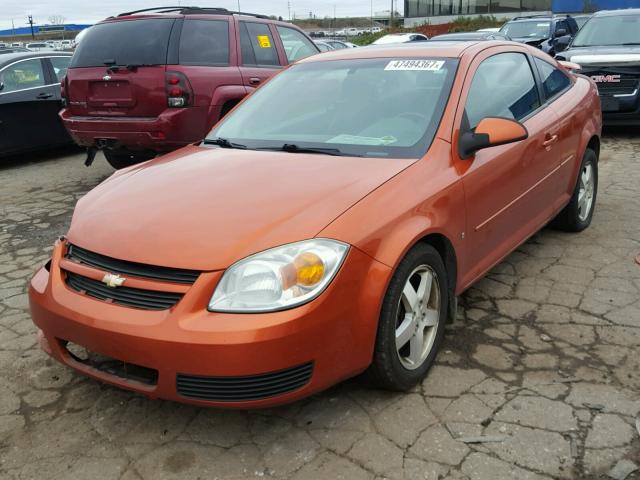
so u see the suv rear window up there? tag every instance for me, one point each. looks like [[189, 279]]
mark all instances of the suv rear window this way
[[129, 42], [204, 42]]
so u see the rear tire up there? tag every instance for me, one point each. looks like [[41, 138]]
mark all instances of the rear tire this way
[[122, 159], [577, 215], [412, 320]]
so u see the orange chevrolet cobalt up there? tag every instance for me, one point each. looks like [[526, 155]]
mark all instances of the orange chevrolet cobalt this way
[[324, 228]]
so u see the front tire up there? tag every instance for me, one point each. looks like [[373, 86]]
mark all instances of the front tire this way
[[122, 159], [412, 320], [577, 215]]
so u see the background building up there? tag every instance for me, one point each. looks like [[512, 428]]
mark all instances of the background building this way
[[418, 12]]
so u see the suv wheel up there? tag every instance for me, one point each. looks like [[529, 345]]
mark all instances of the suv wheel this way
[[121, 159]]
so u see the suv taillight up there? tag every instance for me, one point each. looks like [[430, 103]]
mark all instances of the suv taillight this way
[[179, 92], [63, 91]]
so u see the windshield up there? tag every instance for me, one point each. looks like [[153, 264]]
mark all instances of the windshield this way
[[529, 28], [129, 42], [367, 107], [608, 31]]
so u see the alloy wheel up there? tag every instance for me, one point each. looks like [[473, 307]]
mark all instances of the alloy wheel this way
[[418, 317]]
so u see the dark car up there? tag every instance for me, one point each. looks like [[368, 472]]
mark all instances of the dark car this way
[[469, 37], [30, 101], [151, 81], [607, 48], [549, 33]]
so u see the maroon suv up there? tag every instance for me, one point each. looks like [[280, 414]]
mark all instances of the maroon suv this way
[[153, 80]]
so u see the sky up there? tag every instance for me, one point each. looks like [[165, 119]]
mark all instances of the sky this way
[[91, 11]]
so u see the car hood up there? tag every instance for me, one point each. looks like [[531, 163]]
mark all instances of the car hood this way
[[206, 208], [534, 41], [603, 56]]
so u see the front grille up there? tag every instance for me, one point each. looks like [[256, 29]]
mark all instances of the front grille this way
[[131, 297], [237, 389], [111, 366], [626, 86], [112, 265]]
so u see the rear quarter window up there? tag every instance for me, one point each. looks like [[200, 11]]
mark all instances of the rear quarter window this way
[[204, 42], [128, 42], [554, 82]]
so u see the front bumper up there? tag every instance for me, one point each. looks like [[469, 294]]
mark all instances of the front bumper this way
[[172, 129], [335, 334]]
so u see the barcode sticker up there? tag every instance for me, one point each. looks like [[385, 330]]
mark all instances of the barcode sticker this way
[[428, 65]]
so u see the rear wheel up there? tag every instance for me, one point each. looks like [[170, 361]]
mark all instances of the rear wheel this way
[[121, 158], [577, 215], [412, 321]]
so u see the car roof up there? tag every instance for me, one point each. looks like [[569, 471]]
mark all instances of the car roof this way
[[453, 49], [616, 13], [12, 57]]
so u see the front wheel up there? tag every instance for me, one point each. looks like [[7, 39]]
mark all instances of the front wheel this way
[[122, 159], [577, 215], [412, 321]]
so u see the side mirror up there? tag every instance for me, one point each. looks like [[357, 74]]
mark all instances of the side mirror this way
[[561, 32], [561, 44], [491, 132]]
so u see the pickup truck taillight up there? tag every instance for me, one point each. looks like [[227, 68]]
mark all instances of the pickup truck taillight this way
[[179, 92]]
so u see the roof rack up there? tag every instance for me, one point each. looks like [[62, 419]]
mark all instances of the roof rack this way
[[185, 10], [542, 15]]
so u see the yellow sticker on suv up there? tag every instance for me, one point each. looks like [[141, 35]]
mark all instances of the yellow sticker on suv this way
[[263, 41]]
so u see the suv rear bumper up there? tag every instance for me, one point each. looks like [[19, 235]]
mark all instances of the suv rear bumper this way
[[173, 128]]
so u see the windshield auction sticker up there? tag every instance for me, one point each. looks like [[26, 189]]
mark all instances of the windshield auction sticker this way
[[428, 65]]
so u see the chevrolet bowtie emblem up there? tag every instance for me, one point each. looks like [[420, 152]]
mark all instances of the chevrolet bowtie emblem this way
[[113, 281], [106, 78]]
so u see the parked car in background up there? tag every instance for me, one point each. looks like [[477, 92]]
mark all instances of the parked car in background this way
[[400, 38], [323, 46], [65, 45], [30, 101], [551, 34], [469, 37], [151, 81], [12, 50], [581, 20], [324, 228], [39, 47], [339, 44], [607, 48]]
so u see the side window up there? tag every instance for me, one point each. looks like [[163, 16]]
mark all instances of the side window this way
[[21, 75], [60, 65], [296, 45], [503, 86], [257, 46], [553, 80], [204, 42]]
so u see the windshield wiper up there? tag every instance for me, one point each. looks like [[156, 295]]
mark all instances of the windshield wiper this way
[[292, 148], [224, 143], [629, 44]]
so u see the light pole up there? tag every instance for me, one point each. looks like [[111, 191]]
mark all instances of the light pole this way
[[31, 24]]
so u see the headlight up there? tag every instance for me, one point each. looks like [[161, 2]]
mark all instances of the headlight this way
[[279, 278]]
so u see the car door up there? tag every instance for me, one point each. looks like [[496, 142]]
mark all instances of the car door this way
[[55, 133], [259, 57], [25, 104], [506, 187], [556, 85]]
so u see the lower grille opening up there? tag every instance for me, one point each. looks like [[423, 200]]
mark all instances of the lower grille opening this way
[[112, 366], [235, 389]]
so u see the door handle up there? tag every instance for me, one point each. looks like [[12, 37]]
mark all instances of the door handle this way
[[44, 96], [254, 81], [550, 140]]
